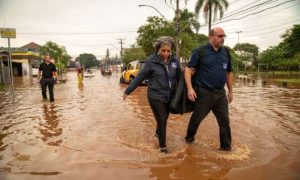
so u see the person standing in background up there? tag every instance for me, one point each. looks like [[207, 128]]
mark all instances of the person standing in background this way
[[49, 75]]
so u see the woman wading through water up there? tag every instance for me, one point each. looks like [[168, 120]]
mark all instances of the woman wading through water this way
[[162, 70]]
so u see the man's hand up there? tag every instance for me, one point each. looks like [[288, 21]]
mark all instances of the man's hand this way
[[188, 73], [230, 97], [38, 79], [39, 76], [229, 77], [124, 96], [192, 95]]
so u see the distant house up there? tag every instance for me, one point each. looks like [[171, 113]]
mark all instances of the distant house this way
[[32, 47], [73, 64], [24, 59]]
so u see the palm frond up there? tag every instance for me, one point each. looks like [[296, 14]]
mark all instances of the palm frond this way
[[199, 5]]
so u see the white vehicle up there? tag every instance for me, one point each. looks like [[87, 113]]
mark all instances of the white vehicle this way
[[89, 75], [35, 71]]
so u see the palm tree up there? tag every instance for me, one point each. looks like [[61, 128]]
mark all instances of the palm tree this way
[[211, 7], [188, 21], [57, 52]]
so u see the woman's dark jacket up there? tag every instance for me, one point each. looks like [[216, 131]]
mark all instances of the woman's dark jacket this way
[[180, 103], [162, 83]]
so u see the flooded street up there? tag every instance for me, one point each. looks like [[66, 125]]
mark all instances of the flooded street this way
[[91, 133]]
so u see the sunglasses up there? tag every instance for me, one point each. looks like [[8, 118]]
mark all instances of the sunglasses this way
[[221, 36]]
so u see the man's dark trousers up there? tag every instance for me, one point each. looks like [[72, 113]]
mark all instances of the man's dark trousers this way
[[217, 102], [50, 83]]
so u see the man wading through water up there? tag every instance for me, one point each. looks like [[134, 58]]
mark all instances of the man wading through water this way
[[48, 77], [211, 67], [162, 69]]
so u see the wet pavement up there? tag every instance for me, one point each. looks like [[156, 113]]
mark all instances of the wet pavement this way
[[91, 133]]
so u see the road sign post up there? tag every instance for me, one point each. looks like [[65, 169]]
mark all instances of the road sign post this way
[[9, 33]]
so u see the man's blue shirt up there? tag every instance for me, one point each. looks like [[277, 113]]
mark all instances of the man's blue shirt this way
[[211, 71]]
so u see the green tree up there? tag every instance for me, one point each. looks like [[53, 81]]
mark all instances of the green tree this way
[[87, 60], [291, 48], [58, 53], [133, 53], [189, 39], [273, 56], [235, 59], [188, 22], [154, 28], [248, 53], [211, 8], [189, 42], [247, 48], [291, 42]]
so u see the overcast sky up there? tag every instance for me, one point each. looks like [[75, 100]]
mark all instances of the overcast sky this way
[[92, 26]]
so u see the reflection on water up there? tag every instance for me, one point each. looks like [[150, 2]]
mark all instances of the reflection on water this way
[[49, 126], [90, 130]]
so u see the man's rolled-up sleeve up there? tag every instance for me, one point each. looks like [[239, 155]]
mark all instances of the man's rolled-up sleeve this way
[[229, 66], [194, 61]]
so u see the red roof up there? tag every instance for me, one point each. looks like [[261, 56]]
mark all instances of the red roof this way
[[32, 45]]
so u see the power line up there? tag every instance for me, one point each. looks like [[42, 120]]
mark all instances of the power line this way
[[75, 33], [254, 12], [267, 23], [268, 27], [269, 32], [270, 22], [244, 11], [205, 26], [88, 46], [233, 11], [238, 9], [286, 28], [234, 2]]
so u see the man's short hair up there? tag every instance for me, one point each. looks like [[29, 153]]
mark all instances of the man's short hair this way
[[47, 54]]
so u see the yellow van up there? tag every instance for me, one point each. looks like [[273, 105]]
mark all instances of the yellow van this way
[[131, 71]]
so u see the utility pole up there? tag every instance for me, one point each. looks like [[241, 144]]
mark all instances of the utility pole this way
[[9, 33], [121, 41], [177, 29], [237, 66], [10, 66], [177, 14]]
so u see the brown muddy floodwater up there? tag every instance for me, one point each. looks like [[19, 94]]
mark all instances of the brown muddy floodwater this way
[[91, 133]]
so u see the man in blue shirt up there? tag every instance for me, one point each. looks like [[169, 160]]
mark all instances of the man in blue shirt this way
[[210, 68]]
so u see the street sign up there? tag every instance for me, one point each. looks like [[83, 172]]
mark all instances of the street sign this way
[[8, 32]]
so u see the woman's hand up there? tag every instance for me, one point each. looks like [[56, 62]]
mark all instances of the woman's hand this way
[[192, 95], [230, 97], [124, 96]]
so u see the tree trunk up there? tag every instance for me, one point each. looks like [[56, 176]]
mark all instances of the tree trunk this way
[[177, 14], [209, 17]]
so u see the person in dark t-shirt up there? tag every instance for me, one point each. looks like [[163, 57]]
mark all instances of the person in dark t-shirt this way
[[48, 70]]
